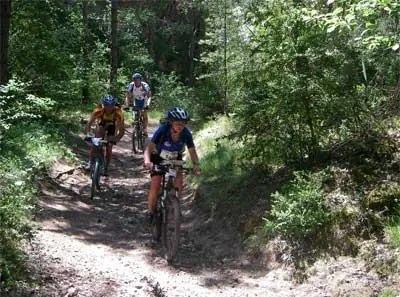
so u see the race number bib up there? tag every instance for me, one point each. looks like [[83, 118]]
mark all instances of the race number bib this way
[[167, 155]]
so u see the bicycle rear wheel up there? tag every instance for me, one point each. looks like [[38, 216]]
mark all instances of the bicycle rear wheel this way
[[171, 229]]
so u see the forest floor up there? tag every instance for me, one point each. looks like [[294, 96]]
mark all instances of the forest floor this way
[[102, 247]]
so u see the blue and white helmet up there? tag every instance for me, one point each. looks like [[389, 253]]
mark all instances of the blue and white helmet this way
[[137, 76], [108, 100], [177, 114]]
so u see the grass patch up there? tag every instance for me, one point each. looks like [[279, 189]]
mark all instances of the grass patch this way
[[392, 230], [156, 115], [224, 183], [388, 293]]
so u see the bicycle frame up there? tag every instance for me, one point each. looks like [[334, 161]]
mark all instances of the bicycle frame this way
[[97, 162], [166, 188], [99, 152], [168, 228], [169, 168], [138, 139], [137, 114]]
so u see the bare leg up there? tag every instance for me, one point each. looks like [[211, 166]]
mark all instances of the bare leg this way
[[153, 193], [179, 184], [108, 154]]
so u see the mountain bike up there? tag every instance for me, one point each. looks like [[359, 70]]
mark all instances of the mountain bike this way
[[167, 217], [97, 163], [138, 135]]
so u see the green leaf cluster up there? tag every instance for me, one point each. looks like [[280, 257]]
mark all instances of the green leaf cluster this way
[[17, 105], [298, 210]]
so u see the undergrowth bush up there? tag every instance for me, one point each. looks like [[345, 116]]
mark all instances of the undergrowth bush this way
[[17, 104], [299, 209], [223, 176], [28, 148]]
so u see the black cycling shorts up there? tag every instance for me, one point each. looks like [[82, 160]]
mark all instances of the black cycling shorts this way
[[109, 127]]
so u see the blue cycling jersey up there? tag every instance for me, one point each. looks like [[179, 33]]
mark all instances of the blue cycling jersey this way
[[163, 140]]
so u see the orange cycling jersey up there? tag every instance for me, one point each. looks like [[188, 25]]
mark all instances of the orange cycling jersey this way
[[100, 116]]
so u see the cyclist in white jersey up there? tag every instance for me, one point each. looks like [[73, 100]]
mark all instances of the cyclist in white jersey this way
[[139, 95]]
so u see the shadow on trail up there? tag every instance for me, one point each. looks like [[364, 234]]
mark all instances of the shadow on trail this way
[[117, 218]]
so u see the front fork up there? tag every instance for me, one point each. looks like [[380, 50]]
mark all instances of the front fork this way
[[164, 197]]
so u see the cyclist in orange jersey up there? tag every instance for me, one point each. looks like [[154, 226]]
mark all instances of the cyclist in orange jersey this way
[[109, 121]]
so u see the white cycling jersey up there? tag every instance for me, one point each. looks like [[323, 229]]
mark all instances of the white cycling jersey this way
[[139, 93]]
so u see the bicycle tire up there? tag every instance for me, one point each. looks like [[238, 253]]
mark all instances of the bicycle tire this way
[[134, 138], [140, 140], [156, 226], [171, 229], [95, 175]]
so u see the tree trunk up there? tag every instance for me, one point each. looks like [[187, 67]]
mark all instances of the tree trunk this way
[[114, 49], [225, 60], [5, 14], [85, 53]]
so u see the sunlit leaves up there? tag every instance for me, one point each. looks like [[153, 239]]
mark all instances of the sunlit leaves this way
[[16, 104]]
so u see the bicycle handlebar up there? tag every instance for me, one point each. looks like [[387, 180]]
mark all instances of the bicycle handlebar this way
[[97, 140], [136, 108], [173, 163], [165, 165]]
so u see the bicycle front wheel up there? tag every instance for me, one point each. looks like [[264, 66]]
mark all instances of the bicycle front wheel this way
[[134, 139], [171, 229], [156, 226], [140, 142], [142, 139], [95, 175]]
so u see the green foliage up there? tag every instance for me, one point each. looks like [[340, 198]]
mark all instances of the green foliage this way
[[44, 46], [170, 92], [225, 55], [303, 87], [299, 210], [16, 105], [28, 148], [392, 230], [388, 293], [223, 182]]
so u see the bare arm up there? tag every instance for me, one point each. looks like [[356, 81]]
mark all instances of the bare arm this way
[[89, 123], [147, 153], [128, 97], [193, 155], [121, 130], [195, 160], [148, 98]]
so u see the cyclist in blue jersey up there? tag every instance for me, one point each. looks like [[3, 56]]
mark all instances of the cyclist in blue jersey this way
[[168, 143]]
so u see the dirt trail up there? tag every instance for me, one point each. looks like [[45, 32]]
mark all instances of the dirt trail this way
[[102, 247]]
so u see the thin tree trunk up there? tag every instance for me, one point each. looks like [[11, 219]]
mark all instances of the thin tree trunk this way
[[225, 61], [5, 14], [85, 53], [114, 49], [191, 53]]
